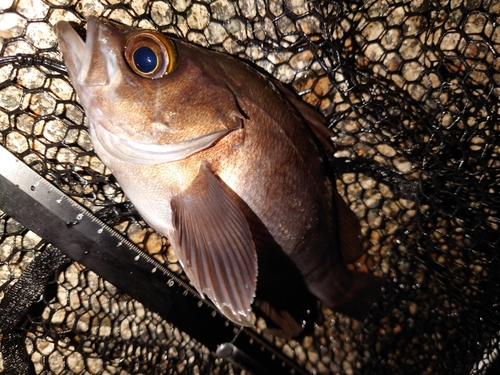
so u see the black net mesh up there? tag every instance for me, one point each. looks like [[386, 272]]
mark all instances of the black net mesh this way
[[411, 91]]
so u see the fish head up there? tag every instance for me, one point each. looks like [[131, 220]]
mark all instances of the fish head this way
[[149, 99]]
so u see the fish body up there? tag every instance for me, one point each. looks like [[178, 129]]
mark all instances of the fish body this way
[[215, 157]]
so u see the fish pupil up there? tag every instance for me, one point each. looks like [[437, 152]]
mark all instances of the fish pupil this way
[[145, 59]]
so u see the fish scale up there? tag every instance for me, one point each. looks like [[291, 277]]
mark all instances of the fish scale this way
[[204, 135]]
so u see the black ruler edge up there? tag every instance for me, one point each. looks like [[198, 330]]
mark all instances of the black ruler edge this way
[[47, 211]]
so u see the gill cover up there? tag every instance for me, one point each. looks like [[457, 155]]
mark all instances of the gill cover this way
[[150, 54]]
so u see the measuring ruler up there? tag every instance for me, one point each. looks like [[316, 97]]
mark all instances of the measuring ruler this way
[[43, 208]]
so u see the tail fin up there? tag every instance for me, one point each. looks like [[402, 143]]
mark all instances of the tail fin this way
[[349, 292], [364, 291]]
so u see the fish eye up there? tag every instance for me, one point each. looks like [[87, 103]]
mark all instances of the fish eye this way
[[150, 54], [145, 60]]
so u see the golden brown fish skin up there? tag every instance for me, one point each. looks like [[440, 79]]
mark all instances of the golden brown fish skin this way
[[127, 95], [268, 157], [271, 162], [283, 186]]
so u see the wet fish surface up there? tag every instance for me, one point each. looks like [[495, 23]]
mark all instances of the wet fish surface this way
[[220, 159]]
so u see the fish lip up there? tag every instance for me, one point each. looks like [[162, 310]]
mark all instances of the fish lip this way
[[80, 55], [92, 33], [149, 154], [71, 45]]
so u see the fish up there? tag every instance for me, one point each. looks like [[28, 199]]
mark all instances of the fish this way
[[229, 165]]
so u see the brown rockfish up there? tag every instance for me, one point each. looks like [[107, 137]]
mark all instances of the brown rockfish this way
[[220, 160]]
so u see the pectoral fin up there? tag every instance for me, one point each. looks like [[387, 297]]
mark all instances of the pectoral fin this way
[[213, 241]]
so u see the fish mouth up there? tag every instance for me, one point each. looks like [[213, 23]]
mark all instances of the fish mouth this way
[[87, 63], [149, 154], [71, 45], [97, 62]]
